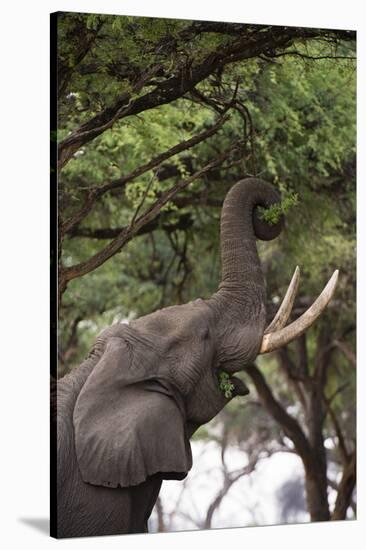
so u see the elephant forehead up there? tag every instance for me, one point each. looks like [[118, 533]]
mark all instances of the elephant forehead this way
[[183, 322]]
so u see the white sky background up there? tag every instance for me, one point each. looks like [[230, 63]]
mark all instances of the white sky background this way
[[24, 289], [251, 500]]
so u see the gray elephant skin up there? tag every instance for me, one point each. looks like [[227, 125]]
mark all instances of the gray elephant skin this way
[[125, 415]]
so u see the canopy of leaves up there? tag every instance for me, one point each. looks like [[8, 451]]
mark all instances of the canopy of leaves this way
[[290, 99]]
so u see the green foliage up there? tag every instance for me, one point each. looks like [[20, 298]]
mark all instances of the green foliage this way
[[303, 115], [225, 385], [273, 213], [300, 132]]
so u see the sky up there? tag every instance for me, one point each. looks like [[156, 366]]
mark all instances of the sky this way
[[250, 501]]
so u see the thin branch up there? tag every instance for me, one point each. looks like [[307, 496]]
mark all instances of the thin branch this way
[[148, 187], [160, 222], [336, 392], [229, 479], [322, 358], [123, 107], [78, 270], [198, 97], [306, 56], [94, 194], [87, 38], [179, 84], [290, 426], [338, 430], [293, 377], [345, 490], [347, 352]]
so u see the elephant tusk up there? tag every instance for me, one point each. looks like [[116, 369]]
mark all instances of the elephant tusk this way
[[276, 340], [282, 315]]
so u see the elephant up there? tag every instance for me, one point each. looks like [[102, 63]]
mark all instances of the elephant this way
[[126, 414]]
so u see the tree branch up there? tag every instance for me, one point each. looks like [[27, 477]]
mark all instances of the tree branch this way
[[312, 57], [86, 39], [229, 480], [94, 194], [290, 426], [338, 430], [347, 352], [289, 370], [345, 489], [161, 221], [178, 85], [78, 270]]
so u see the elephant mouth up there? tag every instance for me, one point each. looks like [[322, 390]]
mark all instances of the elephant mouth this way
[[230, 386]]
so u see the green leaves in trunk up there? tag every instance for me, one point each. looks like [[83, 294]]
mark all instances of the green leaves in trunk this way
[[273, 213], [225, 385]]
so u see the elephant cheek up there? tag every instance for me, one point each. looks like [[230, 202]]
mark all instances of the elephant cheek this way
[[185, 372], [204, 402]]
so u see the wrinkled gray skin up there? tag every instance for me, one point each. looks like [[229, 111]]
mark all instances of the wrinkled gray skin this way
[[124, 417]]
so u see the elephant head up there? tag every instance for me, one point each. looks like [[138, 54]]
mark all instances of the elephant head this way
[[156, 380]]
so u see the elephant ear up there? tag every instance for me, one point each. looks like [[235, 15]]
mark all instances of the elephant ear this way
[[129, 426]]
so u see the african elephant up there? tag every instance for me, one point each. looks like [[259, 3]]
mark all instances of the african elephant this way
[[125, 415]]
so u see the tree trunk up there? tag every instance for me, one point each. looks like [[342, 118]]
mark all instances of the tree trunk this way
[[316, 492], [345, 490], [316, 472], [310, 449]]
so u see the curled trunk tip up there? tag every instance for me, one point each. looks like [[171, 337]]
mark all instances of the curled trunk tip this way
[[241, 225]]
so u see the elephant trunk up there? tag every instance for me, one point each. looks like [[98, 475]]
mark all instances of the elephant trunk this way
[[242, 286]]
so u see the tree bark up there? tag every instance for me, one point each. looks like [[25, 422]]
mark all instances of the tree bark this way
[[345, 489], [316, 491], [95, 194], [290, 426], [176, 86], [316, 474], [66, 274], [313, 457]]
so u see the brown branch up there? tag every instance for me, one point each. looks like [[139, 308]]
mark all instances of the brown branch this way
[[290, 426], [336, 392], [141, 203], [86, 39], [333, 485], [316, 410], [232, 477], [229, 480], [198, 27], [184, 222], [347, 352], [178, 85], [293, 378], [198, 97], [94, 194], [345, 489], [87, 132], [301, 347], [78, 270], [312, 57], [321, 355], [338, 430]]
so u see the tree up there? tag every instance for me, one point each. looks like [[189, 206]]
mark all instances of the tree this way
[[157, 119], [160, 62]]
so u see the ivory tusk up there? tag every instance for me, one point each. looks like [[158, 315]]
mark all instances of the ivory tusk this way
[[275, 340], [284, 311]]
